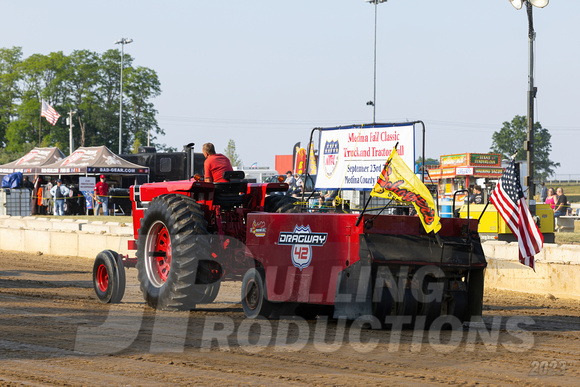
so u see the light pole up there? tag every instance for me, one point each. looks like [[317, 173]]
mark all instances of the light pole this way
[[122, 42], [373, 103], [529, 144]]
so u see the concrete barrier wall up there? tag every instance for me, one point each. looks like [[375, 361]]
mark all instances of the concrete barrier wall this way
[[557, 270], [557, 267], [67, 237]]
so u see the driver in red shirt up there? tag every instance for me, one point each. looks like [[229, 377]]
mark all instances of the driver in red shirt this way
[[215, 164]]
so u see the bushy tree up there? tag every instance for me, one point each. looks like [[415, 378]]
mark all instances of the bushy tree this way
[[9, 91], [84, 82], [509, 140]]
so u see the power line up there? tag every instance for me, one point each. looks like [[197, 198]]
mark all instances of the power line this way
[[301, 124]]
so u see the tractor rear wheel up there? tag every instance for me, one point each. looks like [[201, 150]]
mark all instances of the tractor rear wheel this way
[[173, 243], [382, 304], [281, 204], [211, 292], [109, 277]]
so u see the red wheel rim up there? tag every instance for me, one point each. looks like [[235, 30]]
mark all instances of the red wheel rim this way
[[102, 278], [157, 254], [163, 261]]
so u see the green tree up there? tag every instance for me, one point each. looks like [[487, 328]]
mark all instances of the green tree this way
[[10, 58], [41, 77], [141, 86], [509, 140], [7, 156], [231, 154], [81, 83], [85, 82]]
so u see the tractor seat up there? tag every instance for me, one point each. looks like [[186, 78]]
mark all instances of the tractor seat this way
[[231, 194]]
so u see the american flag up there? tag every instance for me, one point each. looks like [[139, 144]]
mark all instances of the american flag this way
[[48, 112], [509, 200]]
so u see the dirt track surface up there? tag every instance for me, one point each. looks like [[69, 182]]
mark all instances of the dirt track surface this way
[[53, 331]]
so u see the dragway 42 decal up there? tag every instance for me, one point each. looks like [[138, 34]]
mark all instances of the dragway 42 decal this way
[[302, 239]]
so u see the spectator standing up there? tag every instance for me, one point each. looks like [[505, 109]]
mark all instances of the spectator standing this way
[[59, 192], [34, 200], [561, 204], [101, 196]]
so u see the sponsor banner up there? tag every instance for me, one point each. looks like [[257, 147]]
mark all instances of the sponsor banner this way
[[114, 170], [300, 164], [487, 159], [88, 199], [353, 157], [470, 160], [488, 172], [453, 160], [294, 152], [49, 170], [312, 162], [464, 171]]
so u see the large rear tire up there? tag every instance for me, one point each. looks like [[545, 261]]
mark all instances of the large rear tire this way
[[211, 292], [109, 277], [173, 243], [281, 204]]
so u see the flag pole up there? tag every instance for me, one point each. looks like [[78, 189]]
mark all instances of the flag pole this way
[[484, 208], [370, 197], [363, 211], [489, 197], [40, 124]]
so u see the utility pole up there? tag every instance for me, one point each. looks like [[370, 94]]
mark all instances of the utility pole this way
[[70, 132]]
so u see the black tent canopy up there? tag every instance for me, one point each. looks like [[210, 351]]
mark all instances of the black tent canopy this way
[[93, 161], [30, 163]]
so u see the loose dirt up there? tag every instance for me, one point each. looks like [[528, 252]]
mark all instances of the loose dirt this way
[[53, 331]]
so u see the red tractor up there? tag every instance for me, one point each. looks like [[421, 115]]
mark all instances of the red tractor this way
[[191, 235]]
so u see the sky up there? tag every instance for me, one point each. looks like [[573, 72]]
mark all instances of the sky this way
[[265, 73]]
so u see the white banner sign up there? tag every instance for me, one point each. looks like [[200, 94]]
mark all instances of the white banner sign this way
[[353, 157], [86, 183]]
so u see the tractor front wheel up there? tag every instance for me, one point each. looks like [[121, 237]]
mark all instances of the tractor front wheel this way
[[109, 277]]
